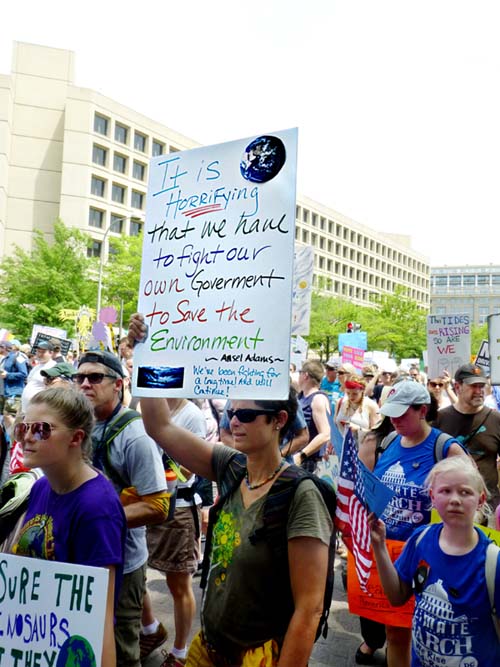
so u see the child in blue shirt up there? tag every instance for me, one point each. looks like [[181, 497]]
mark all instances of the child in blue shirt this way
[[444, 566]]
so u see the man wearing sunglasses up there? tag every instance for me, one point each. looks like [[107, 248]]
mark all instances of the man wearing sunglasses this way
[[476, 426], [132, 461]]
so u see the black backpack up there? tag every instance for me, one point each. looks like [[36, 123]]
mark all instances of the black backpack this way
[[276, 507]]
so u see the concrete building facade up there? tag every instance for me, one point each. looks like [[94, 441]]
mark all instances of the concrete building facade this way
[[474, 290], [72, 153]]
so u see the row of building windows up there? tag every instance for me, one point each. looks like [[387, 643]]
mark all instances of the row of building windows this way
[[348, 289], [477, 314], [332, 228], [365, 261], [100, 157], [126, 136], [99, 187], [459, 281], [117, 224]]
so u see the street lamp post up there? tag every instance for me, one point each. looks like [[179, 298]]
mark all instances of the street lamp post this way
[[101, 266], [101, 262]]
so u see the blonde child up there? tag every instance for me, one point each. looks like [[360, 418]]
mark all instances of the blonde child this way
[[444, 565]]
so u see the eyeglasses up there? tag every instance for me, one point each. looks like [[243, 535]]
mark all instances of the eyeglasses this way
[[341, 372], [39, 430], [93, 378], [436, 384], [50, 380], [247, 415]]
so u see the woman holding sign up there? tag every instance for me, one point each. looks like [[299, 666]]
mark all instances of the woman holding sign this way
[[74, 514], [263, 597]]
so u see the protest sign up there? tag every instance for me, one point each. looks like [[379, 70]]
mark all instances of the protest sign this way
[[353, 355], [483, 357], [354, 339], [298, 351], [50, 332], [303, 267], [494, 347], [406, 364], [64, 343], [373, 602], [52, 613], [448, 343], [216, 277]]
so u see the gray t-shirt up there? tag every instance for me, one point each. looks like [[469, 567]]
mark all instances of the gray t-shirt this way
[[137, 460], [241, 603]]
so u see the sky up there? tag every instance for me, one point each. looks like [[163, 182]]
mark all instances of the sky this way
[[397, 102]]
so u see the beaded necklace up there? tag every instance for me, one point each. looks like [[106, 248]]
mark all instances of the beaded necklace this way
[[252, 487]]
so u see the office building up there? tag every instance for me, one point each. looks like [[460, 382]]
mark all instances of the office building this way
[[72, 153], [474, 290]]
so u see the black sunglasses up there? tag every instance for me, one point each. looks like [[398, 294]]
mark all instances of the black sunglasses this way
[[39, 430], [247, 415], [93, 378]]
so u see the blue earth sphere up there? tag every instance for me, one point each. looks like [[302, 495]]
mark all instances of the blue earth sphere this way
[[76, 652], [262, 159]]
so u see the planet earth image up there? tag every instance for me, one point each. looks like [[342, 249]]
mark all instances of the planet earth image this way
[[76, 652], [262, 159]]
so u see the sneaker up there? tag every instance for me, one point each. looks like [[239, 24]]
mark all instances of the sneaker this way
[[172, 661], [149, 643]]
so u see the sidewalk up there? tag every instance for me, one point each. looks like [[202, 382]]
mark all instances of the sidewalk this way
[[337, 650]]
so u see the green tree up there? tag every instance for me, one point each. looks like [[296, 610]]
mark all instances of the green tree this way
[[329, 317], [36, 285], [478, 334], [395, 323], [122, 275], [398, 325]]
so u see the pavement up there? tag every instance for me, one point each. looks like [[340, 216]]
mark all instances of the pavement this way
[[337, 650]]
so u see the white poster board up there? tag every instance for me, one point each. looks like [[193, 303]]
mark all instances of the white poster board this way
[[494, 347], [483, 357], [51, 613], [217, 270], [56, 332], [448, 343], [298, 351], [303, 269]]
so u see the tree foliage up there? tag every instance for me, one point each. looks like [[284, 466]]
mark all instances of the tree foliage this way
[[395, 323], [37, 284], [122, 275]]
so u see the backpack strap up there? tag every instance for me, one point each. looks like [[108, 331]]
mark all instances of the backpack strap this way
[[233, 476], [274, 532], [439, 444], [490, 567], [422, 534], [390, 437], [101, 454]]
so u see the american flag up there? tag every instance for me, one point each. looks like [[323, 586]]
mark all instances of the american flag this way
[[351, 517]]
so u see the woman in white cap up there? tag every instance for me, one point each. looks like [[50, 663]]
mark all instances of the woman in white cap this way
[[403, 467]]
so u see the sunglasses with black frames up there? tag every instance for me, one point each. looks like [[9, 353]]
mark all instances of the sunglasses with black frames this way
[[92, 378], [247, 415]]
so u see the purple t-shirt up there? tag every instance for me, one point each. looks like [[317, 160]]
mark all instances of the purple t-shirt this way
[[86, 526]]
